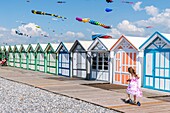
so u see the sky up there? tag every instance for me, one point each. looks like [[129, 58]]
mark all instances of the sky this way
[[126, 19]]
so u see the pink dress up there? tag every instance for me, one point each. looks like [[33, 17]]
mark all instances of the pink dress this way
[[133, 88]]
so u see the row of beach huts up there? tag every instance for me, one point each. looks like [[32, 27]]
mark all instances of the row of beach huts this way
[[101, 59]]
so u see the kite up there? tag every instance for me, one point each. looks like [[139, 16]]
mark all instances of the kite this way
[[109, 1], [37, 26], [19, 33], [60, 2], [149, 26], [100, 36], [127, 2], [43, 13], [92, 22], [44, 35], [108, 10]]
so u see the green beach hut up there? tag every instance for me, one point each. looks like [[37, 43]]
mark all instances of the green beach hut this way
[[23, 54], [17, 56], [51, 58], [31, 56], [40, 57], [11, 61]]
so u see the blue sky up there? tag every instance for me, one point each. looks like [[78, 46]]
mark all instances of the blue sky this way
[[127, 19]]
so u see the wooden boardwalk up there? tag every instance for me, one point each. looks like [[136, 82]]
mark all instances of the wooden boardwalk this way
[[72, 87]]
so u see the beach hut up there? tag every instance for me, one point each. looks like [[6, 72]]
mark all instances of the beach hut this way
[[23, 53], [1, 53], [31, 56], [11, 61], [126, 54], [5, 51], [51, 58], [80, 59], [40, 57], [101, 66], [64, 58], [157, 62], [17, 56]]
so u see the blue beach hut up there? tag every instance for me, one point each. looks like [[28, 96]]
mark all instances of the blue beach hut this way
[[157, 62], [64, 58]]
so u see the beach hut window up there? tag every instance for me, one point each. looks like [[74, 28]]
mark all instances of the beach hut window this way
[[100, 61], [103, 61], [106, 61], [94, 58]]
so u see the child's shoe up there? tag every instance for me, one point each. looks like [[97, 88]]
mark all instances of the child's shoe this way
[[128, 100], [138, 103]]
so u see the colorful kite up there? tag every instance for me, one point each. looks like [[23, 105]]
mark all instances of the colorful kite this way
[[109, 1], [108, 10], [100, 36], [60, 2], [127, 2], [43, 13], [149, 26], [92, 22]]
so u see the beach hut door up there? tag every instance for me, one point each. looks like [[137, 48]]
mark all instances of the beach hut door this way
[[79, 65], [123, 60]]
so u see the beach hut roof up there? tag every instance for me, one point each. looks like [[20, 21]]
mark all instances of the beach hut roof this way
[[17, 47], [53, 45], [11, 47], [42, 46], [84, 44], [33, 46], [107, 43], [163, 36], [66, 45], [23, 46], [134, 41]]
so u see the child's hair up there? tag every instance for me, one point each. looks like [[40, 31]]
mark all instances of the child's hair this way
[[132, 71]]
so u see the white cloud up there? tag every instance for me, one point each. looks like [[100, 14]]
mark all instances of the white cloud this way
[[137, 7], [3, 29], [73, 34], [161, 21], [29, 29], [115, 33], [151, 10], [129, 28], [1, 35]]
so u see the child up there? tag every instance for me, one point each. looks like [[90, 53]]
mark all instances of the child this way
[[133, 88], [4, 62]]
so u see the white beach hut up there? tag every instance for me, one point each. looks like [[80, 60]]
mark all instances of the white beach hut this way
[[80, 61], [101, 63]]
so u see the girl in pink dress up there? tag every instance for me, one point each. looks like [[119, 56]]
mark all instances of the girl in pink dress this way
[[133, 87]]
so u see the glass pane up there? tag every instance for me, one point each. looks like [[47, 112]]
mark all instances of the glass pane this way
[[167, 60], [162, 60], [162, 72], [149, 63], [157, 60], [157, 83]]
